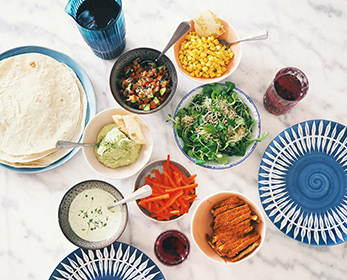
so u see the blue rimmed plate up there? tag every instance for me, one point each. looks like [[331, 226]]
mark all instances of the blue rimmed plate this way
[[116, 261], [302, 182], [82, 76]]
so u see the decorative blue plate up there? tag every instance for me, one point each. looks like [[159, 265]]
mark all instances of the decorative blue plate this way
[[302, 182], [82, 76], [117, 261]]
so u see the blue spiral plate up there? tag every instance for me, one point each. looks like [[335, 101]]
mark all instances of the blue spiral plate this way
[[303, 185]]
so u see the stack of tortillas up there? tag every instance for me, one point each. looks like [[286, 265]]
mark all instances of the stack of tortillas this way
[[41, 101]]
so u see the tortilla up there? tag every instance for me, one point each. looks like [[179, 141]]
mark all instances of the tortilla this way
[[41, 101]]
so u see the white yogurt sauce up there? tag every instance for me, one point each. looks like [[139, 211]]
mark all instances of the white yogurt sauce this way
[[89, 217]]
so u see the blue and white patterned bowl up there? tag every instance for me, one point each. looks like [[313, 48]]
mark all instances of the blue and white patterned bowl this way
[[302, 182], [232, 160]]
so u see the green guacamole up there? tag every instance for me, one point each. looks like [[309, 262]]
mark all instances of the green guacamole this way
[[116, 149]]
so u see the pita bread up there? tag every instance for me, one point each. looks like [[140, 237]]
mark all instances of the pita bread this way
[[208, 24], [130, 126], [118, 119]]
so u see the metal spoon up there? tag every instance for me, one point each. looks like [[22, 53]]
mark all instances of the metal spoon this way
[[261, 35], [61, 145], [180, 31], [144, 191]]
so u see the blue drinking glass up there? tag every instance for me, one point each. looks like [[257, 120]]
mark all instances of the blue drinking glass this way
[[106, 39]]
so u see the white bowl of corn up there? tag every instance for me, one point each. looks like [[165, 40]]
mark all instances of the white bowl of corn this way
[[203, 59]]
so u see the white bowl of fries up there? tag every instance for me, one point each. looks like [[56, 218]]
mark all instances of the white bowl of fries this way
[[228, 227]]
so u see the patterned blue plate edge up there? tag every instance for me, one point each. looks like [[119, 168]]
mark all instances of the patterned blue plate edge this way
[[118, 260]]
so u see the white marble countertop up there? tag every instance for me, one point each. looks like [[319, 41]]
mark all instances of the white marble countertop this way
[[310, 35]]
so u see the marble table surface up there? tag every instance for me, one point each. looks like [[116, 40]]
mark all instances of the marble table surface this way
[[310, 35]]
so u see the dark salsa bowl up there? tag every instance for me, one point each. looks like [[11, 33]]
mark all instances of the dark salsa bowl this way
[[140, 84]]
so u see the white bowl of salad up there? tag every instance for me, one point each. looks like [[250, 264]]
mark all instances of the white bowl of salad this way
[[217, 126]]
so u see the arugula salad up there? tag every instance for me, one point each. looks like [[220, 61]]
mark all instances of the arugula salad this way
[[215, 124]]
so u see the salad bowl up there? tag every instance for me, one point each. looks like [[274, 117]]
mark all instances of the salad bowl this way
[[203, 135]]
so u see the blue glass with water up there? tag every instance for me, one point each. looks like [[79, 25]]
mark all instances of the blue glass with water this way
[[102, 25]]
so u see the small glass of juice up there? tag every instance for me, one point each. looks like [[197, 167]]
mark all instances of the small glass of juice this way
[[289, 86], [172, 247]]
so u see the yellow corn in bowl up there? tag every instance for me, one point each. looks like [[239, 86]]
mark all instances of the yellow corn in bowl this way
[[204, 59]]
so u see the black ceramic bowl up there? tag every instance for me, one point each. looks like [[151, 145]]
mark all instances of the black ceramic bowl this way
[[145, 54], [64, 214]]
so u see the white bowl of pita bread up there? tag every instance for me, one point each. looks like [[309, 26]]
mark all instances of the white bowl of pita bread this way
[[130, 129], [207, 26]]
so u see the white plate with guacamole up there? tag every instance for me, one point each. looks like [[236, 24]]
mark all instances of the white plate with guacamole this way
[[115, 148]]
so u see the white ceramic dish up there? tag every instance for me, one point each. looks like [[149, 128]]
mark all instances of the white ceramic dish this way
[[202, 220], [90, 136], [231, 35]]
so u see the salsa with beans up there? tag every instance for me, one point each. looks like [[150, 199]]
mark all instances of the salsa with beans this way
[[144, 86]]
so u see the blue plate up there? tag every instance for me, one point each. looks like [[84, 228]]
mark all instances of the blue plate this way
[[82, 76], [302, 182], [117, 261]]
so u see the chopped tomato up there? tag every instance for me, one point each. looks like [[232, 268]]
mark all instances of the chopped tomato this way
[[144, 81]]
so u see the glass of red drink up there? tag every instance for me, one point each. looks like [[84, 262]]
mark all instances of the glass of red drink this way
[[289, 86], [172, 247]]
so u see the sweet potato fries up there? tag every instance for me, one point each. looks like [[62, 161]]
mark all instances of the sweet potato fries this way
[[234, 236]]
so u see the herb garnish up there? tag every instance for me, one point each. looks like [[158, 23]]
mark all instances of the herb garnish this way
[[93, 216]]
